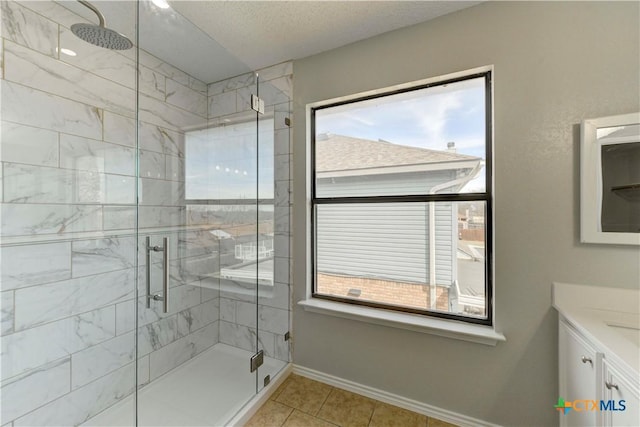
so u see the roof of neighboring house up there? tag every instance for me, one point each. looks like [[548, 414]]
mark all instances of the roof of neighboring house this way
[[339, 152]]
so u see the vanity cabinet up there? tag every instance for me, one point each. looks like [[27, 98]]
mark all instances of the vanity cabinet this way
[[587, 374]]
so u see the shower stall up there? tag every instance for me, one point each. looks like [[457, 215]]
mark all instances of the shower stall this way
[[144, 238]]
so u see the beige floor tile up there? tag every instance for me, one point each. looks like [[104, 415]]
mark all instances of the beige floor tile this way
[[271, 414], [347, 409], [300, 419], [437, 423], [304, 394], [281, 387], [386, 415]]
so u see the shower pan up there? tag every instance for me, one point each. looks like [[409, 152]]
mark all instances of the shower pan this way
[[144, 237]]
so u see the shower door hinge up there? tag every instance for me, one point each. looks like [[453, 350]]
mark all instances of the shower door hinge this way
[[267, 380], [287, 336], [257, 360], [287, 121], [257, 104]]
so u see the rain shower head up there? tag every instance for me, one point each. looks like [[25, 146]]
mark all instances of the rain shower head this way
[[99, 35]]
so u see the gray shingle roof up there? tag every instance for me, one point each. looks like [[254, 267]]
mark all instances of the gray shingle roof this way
[[339, 152]]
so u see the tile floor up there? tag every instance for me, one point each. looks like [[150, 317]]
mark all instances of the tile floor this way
[[302, 402]]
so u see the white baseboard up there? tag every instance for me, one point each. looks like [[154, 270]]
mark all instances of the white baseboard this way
[[393, 399], [244, 415]]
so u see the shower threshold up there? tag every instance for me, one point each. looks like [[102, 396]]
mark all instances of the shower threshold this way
[[208, 390]]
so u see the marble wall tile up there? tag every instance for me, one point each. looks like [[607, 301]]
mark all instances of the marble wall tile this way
[[166, 115], [275, 71], [270, 94], [6, 312], [21, 104], [119, 129], [143, 370], [282, 193], [153, 336], [282, 348], [89, 154], [55, 12], [161, 140], [194, 318], [278, 88], [152, 83], [186, 98], [245, 337], [161, 193], [222, 104], [281, 166], [281, 269], [209, 288], [232, 84], [36, 184], [27, 28], [182, 350], [120, 189], [281, 140], [246, 314], [175, 168], [272, 319], [34, 264], [81, 404], [197, 85], [29, 349], [35, 388], [281, 225], [30, 145], [278, 297], [119, 217], [38, 71], [163, 68], [152, 164], [99, 360], [158, 216], [109, 64], [45, 303], [89, 257], [228, 310]]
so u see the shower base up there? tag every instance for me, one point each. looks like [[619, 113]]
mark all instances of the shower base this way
[[208, 390]]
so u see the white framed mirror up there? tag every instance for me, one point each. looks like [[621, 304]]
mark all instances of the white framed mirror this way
[[610, 180]]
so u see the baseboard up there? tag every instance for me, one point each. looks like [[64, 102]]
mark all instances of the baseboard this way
[[393, 399], [244, 415]]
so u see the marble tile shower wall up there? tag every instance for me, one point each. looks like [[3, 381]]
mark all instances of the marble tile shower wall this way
[[238, 317], [68, 215]]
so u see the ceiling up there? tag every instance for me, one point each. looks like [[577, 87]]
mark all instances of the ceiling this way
[[214, 40]]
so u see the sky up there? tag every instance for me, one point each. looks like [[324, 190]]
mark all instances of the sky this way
[[428, 118]]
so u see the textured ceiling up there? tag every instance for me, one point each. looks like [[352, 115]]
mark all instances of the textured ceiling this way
[[262, 33]]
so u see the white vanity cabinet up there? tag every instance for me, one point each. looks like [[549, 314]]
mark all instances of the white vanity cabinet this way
[[617, 388], [586, 373]]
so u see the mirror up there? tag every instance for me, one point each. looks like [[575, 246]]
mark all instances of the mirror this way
[[610, 180]]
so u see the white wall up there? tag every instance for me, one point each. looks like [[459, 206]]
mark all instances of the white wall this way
[[556, 63]]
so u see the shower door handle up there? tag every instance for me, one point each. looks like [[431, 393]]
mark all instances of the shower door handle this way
[[165, 274]]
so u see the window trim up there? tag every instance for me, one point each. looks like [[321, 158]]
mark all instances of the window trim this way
[[313, 298]]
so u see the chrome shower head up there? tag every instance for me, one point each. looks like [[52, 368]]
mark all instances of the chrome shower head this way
[[99, 35]]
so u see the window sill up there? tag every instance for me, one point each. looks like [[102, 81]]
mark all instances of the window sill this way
[[428, 325]]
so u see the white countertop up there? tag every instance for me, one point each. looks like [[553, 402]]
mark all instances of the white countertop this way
[[609, 317]]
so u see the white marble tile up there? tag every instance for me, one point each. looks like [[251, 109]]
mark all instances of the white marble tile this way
[[6, 312], [119, 217], [89, 257], [281, 167], [197, 85], [166, 115], [143, 370], [152, 165], [281, 348], [245, 337], [45, 303], [26, 144], [175, 168], [29, 349], [85, 402], [282, 193], [163, 68], [21, 104], [272, 319], [161, 140], [186, 98], [232, 84], [194, 318], [55, 11], [209, 289], [279, 297], [159, 216], [228, 310], [89, 154], [281, 269], [34, 264], [270, 94], [109, 64], [222, 104], [183, 349], [35, 388], [266, 342], [275, 71], [152, 83], [99, 360], [161, 193], [119, 129], [154, 336], [281, 142], [44, 73], [246, 314], [120, 189], [281, 225], [36, 184], [28, 220], [280, 90], [29, 29]]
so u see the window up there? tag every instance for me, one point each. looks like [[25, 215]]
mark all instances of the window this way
[[401, 199]]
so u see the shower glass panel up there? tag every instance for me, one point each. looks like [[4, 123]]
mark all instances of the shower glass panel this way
[[68, 232], [144, 232]]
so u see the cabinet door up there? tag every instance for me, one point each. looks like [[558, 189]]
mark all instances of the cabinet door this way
[[579, 364], [617, 387]]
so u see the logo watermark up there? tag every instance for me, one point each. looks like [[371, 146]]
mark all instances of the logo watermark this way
[[583, 405]]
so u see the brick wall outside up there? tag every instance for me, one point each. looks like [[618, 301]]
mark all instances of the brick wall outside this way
[[385, 291]]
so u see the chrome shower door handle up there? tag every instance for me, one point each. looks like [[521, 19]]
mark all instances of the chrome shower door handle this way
[[165, 274]]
